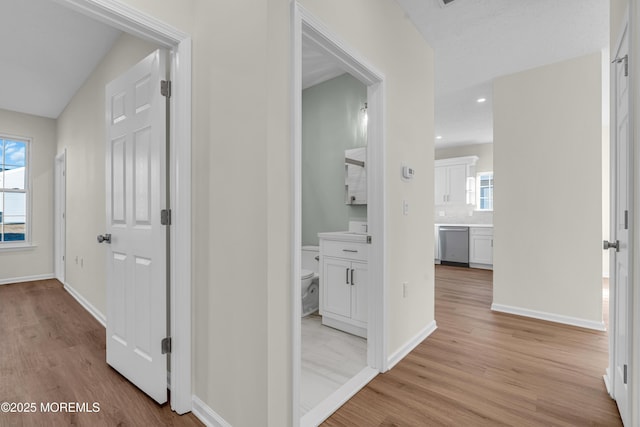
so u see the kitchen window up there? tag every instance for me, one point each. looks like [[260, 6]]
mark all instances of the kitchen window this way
[[485, 191], [14, 215]]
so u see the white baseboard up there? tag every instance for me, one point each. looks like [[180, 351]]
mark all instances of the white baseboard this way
[[481, 266], [12, 280], [551, 317], [207, 415], [607, 383], [411, 344], [324, 409], [87, 305]]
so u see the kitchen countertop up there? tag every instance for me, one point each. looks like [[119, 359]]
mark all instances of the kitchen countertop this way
[[466, 225]]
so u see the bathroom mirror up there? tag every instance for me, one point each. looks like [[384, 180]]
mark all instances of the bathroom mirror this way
[[355, 176]]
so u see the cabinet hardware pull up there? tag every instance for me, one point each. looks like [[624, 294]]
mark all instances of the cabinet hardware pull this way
[[347, 276], [355, 251], [352, 277]]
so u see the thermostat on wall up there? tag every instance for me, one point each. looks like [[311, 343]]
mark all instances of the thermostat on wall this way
[[408, 172]]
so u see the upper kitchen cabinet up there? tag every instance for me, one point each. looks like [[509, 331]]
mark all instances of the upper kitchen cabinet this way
[[455, 181]]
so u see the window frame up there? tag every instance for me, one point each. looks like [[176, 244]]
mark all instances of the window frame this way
[[27, 191], [479, 176]]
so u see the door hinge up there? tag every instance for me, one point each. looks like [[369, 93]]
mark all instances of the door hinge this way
[[626, 220], [165, 217], [165, 88], [369, 239], [625, 374], [165, 345], [624, 59]]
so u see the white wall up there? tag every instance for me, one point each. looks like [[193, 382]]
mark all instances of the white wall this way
[[81, 130], [28, 263], [548, 203]]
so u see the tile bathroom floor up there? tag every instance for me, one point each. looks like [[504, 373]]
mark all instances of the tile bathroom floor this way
[[330, 358]]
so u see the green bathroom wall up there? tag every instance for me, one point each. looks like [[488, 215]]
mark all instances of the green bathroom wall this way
[[331, 124]]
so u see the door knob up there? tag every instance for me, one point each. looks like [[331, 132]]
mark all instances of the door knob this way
[[104, 238], [611, 245]]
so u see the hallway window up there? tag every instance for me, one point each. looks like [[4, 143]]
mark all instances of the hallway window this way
[[485, 191], [13, 190]]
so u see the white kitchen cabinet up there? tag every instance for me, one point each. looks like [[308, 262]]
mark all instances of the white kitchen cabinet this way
[[343, 285], [436, 247], [451, 180], [481, 247], [451, 184]]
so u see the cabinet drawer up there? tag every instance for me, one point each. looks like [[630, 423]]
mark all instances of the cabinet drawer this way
[[481, 231], [354, 251]]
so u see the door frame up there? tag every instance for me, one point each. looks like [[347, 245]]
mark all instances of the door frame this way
[[144, 26], [306, 25], [60, 222]]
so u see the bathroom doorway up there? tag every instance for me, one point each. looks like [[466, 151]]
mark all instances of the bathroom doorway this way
[[321, 58]]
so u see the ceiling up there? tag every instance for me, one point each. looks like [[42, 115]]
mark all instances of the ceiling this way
[[476, 41], [317, 66], [48, 52]]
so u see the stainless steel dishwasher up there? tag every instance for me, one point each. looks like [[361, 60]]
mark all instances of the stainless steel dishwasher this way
[[454, 245]]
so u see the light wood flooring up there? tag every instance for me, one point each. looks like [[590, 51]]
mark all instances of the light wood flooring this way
[[478, 369], [52, 350], [481, 368]]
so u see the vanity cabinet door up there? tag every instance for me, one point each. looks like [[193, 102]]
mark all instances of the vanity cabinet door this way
[[336, 286], [359, 302]]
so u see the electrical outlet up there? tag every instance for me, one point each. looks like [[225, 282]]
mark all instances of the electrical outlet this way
[[405, 207], [405, 289]]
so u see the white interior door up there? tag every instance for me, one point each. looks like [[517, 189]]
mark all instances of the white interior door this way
[[620, 297], [60, 216], [137, 249]]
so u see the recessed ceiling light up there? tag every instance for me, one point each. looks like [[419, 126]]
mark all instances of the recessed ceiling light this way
[[439, 137], [481, 100]]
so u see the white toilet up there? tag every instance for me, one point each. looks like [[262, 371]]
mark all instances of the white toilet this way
[[309, 279]]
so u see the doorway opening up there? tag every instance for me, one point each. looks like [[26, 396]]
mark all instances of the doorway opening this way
[[178, 43], [60, 204], [312, 39]]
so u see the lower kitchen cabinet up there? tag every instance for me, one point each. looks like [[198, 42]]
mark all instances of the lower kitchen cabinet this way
[[481, 247]]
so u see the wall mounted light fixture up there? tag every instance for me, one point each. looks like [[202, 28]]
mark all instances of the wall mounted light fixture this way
[[364, 120]]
